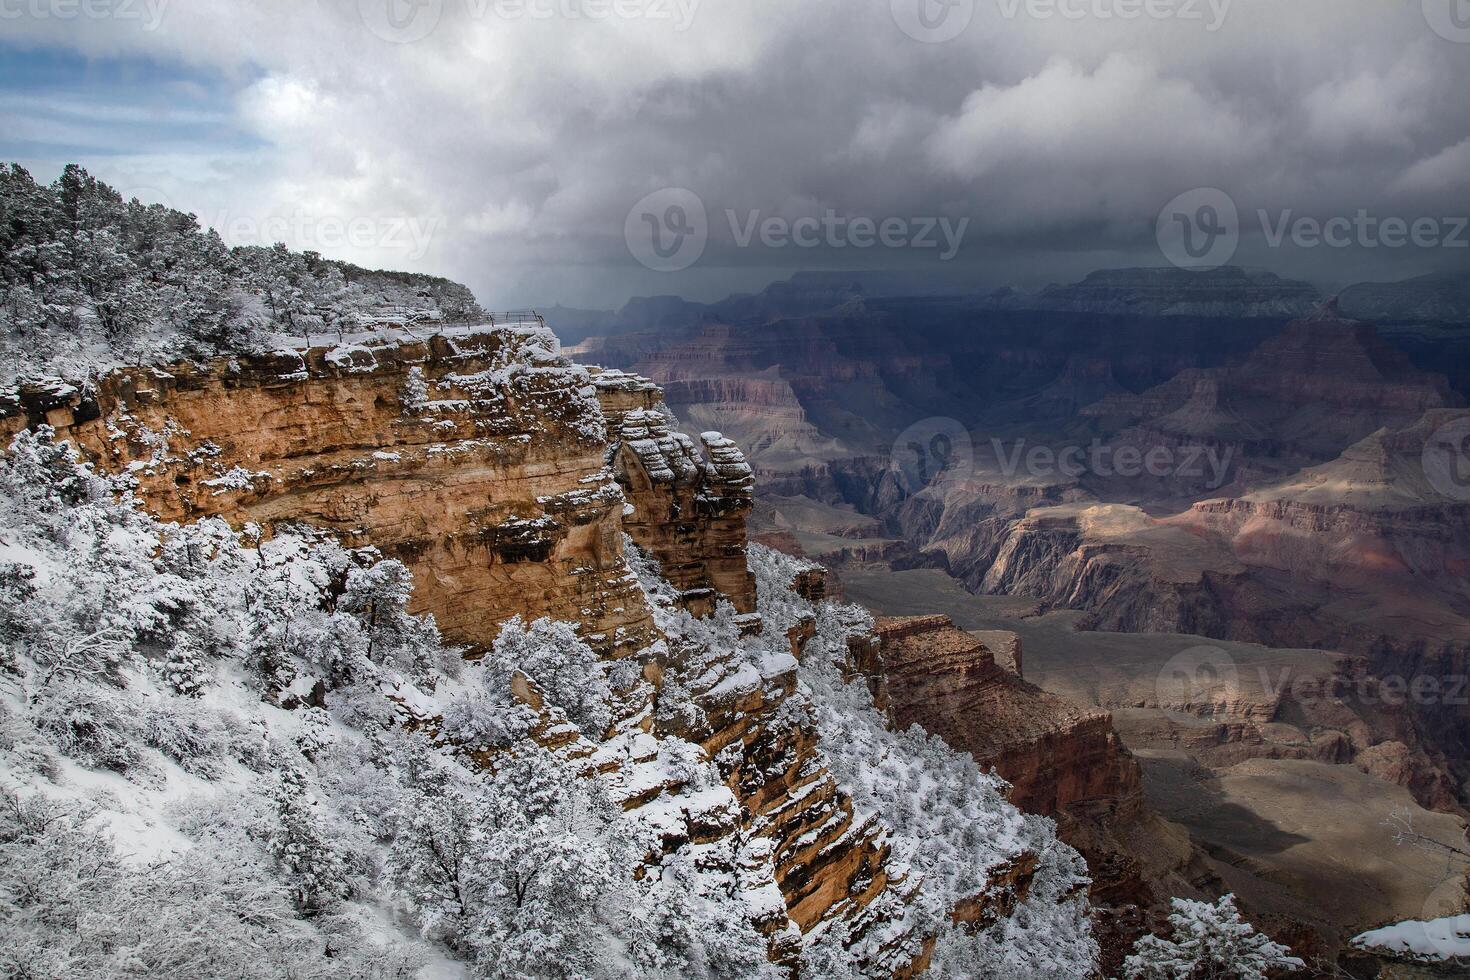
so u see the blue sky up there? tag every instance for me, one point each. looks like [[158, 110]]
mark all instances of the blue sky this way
[[58, 106]]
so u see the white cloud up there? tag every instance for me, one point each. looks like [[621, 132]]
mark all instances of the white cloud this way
[[1447, 170], [1382, 109]]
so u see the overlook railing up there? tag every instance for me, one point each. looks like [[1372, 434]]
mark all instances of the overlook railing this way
[[515, 317]]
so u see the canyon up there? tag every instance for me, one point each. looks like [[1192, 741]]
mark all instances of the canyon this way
[[505, 478], [1325, 554]]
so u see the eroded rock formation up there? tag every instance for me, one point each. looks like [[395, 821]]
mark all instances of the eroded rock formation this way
[[1062, 760], [505, 478]]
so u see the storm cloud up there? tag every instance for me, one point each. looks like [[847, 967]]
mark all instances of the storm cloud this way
[[504, 143]]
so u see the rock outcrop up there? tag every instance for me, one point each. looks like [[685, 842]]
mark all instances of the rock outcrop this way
[[476, 459], [506, 478], [689, 512], [1062, 760]]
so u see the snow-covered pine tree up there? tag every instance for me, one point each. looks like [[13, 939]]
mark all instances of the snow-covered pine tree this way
[[1207, 942], [315, 873], [567, 669]]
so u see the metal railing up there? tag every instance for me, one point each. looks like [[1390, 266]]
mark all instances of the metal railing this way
[[513, 317]]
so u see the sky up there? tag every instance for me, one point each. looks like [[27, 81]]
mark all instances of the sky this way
[[585, 151]]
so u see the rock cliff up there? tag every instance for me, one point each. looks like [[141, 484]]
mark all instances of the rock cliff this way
[[506, 477], [1062, 760]]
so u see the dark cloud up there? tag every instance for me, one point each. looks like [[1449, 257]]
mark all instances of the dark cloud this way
[[515, 144]]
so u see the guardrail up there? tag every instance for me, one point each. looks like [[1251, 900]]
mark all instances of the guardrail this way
[[512, 317]]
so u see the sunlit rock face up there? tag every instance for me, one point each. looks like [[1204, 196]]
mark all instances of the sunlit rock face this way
[[477, 460], [507, 478]]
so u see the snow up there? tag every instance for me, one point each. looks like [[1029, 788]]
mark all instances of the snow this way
[[1435, 940]]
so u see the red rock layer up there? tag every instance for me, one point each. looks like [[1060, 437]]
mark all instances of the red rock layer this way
[[489, 484]]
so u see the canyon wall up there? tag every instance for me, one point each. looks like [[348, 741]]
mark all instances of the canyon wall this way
[[1062, 760], [505, 478]]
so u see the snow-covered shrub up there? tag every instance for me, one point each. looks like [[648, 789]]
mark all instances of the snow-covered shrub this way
[[71, 907], [482, 720], [315, 872], [415, 392], [1011, 948], [95, 726], [555, 657], [1207, 942], [183, 668], [315, 733], [378, 596], [192, 735]]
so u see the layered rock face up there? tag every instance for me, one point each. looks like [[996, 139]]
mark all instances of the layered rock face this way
[[1299, 399], [688, 512], [1062, 760], [1052, 752], [477, 460], [505, 478]]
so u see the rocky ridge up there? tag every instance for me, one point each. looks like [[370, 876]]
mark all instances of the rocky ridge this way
[[505, 478]]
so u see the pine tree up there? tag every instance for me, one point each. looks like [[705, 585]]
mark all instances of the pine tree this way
[[567, 669], [1207, 942], [315, 873]]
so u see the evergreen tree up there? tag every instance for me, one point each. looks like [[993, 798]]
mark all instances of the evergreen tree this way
[[1207, 942]]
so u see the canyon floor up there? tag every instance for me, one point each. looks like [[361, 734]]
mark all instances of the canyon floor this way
[[1297, 839]]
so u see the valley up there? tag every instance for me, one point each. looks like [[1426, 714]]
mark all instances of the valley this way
[[1284, 821]]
